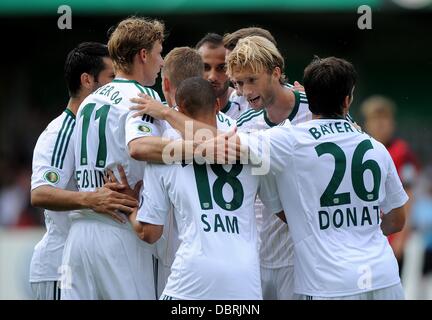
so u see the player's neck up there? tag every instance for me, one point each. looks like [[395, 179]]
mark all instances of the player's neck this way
[[207, 119], [74, 104], [223, 99], [134, 75], [282, 105]]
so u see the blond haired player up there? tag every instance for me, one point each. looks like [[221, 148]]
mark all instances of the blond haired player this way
[[257, 67], [333, 181], [106, 259]]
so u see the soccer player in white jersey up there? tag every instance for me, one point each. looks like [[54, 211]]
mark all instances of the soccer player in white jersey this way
[[179, 64], [230, 40], [213, 207], [106, 259], [87, 67], [213, 54], [340, 192], [257, 67]]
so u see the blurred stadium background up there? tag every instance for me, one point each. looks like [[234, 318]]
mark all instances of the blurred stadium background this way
[[394, 59]]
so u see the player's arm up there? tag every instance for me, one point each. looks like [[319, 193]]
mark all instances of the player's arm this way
[[393, 221], [269, 196], [111, 197], [393, 205], [147, 232], [146, 105], [160, 150], [148, 221], [103, 200]]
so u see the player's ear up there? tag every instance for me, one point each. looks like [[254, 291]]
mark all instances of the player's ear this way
[[142, 55], [277, 73], [346, 104], [87, 81], [165, 84]]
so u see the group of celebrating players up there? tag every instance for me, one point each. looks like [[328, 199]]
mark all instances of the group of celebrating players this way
[[259, 190]]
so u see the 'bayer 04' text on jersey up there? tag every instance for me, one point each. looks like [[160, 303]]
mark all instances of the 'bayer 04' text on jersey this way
[[276, 247], [333, 181], [53, 165], [104, 128]]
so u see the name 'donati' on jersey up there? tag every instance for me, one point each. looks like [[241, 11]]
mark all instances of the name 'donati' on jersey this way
[[349, 217]]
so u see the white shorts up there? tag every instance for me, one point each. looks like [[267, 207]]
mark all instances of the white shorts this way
[[395, 292], [46, 290], [162, 274], [103, 261], [278, 283]]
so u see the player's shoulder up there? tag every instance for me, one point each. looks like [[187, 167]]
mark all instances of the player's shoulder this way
[[119, 91], [249, 116], [224, 121]]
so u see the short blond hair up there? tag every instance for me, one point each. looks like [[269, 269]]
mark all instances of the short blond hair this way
[[129, 37], [257, 54], [376, 106], [182, 63], [230, 40]]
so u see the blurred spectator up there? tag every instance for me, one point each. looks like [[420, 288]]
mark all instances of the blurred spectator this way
[[15, 206], [422, 216], [379, 116]]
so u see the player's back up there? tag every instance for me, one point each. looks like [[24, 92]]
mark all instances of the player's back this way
[[104, 127], [341, 178], [213, 204], [107, 259]]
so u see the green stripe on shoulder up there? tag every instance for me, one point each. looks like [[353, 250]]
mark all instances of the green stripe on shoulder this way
[[140, 88], [59, 138], [249, 118], [246, 114], [66, 132], [67, 145]]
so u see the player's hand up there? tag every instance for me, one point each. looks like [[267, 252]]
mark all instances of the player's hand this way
[[223, 149], [147, 105], [122, 186], [107, 200], [298, 87]]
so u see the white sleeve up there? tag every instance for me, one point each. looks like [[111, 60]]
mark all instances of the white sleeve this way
[[53, 156], [268, 193], [155, 204], [395, 195], [144, 126], [269, 148]]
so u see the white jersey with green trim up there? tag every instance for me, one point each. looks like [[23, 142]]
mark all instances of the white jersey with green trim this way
[[236, 105], [104, 128], [276, 246], [53, 165], [225, 122], [167, 245], [333, 180], [213, 208]]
